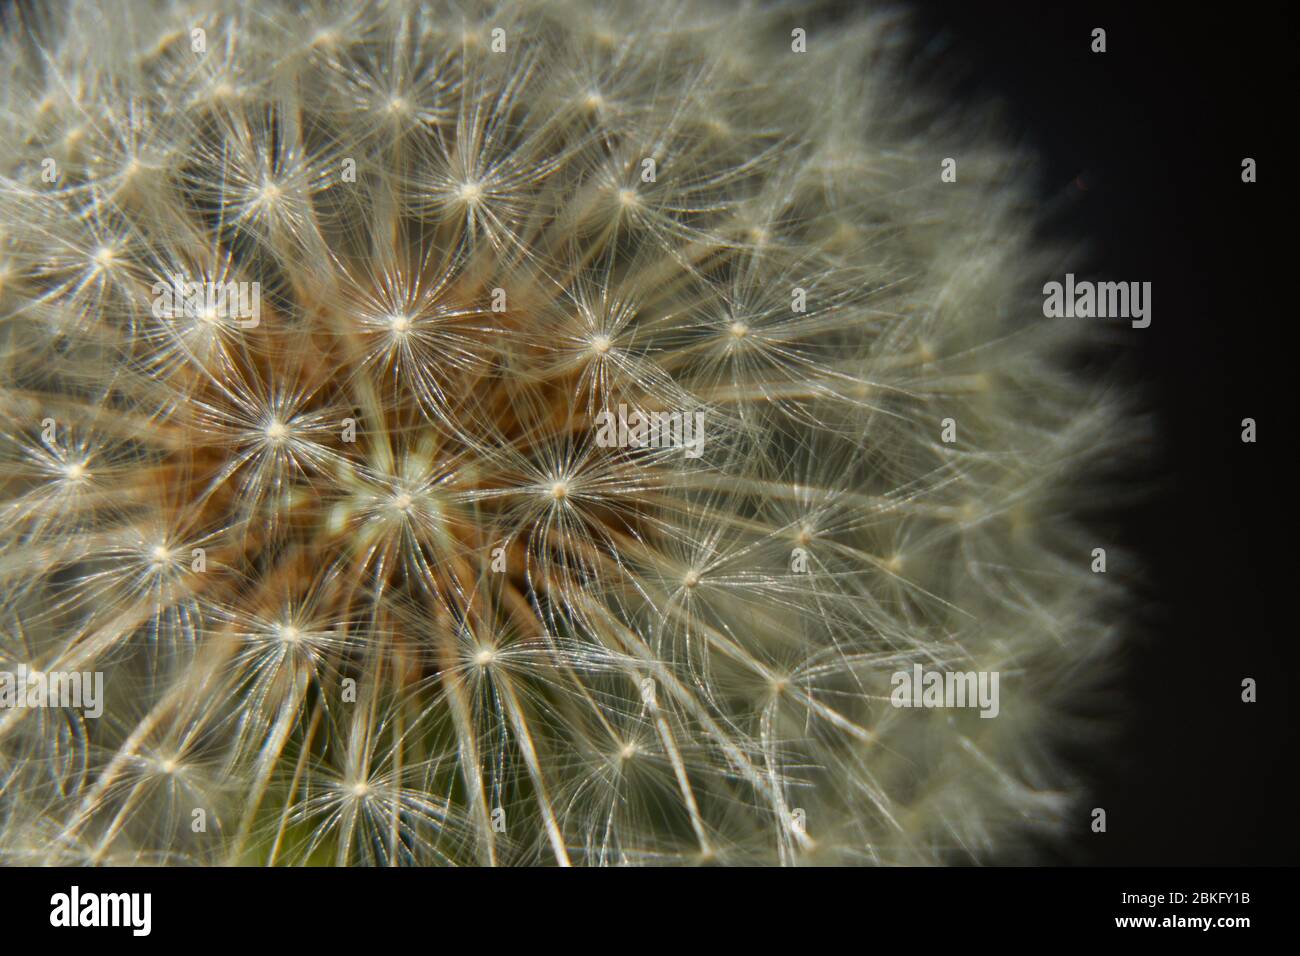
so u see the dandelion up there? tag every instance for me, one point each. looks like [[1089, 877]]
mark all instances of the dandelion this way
[[364, 586]]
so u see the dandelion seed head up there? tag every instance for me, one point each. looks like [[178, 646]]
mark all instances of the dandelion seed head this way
[[360, 566]]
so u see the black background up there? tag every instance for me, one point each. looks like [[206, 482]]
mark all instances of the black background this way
[[1144, 144]]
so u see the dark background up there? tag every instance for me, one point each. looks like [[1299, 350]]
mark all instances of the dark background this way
[[1142, 146]]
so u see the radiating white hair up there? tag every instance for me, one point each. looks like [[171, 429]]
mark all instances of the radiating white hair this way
[[364, 587]]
